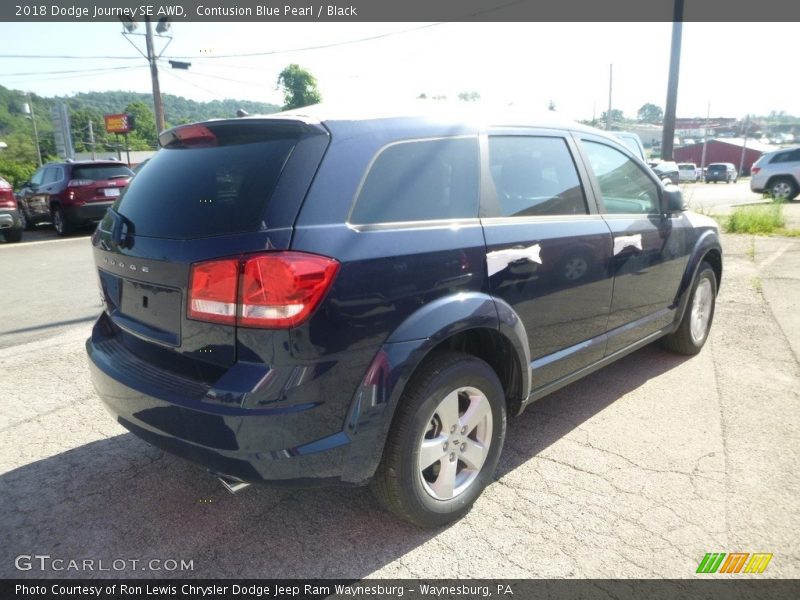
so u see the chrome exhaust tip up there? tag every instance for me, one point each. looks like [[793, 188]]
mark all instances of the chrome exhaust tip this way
[[231, 484]]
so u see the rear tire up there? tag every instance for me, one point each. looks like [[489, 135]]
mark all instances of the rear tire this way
[[783, 188], [13, 235], [60, 223], [693, 331], [444, 442]]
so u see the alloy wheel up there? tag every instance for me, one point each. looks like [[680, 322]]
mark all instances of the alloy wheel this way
[[701, 310], [454, 446]]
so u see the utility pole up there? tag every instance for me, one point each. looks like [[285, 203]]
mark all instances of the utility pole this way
[[744, 146], [151, 58], [35, 132], [91, 140], [610, 82], [705, 139], [668, 136]]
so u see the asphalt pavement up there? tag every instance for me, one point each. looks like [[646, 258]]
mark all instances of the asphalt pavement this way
[[636, 471]]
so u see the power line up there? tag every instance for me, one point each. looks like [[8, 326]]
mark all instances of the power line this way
[[69, 71], [68, 56], [307, 48], [74, 76]]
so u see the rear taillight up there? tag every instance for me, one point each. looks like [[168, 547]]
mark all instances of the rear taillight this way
[[7, 199], [754, 170], [276, 290], [212, 291]]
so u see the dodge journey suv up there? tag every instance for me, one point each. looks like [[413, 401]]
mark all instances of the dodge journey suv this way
[[317, 297]]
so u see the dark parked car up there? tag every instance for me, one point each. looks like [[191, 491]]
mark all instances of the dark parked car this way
[[312, 298], [10, 224], [666, 170], [721, 172], [72, 194]]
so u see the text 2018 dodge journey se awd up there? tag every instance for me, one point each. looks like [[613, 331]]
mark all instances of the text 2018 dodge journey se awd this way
[[310, 298]]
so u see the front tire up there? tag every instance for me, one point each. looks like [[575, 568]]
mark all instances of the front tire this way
[[692, 333], [445, 441]]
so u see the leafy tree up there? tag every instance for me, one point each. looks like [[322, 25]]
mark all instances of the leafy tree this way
[[469, 96], [616, 116], [650, 113], [144, 136], [422, 96], [299, 87]]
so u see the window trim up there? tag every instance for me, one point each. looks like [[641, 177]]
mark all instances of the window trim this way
[[409, 224]]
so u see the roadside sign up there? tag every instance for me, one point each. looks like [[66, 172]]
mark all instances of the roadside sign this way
[[119, 123]]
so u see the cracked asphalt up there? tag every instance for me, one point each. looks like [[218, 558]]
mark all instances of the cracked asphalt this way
[[636, 471]]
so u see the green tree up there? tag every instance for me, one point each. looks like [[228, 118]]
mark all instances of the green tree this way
[[650, 113], [299, 87], [616, 116], [144, 136]]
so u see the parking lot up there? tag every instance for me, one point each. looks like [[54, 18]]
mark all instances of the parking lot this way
[[636, 471]]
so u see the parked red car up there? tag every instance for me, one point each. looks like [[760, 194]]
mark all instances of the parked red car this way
[[72, 194]]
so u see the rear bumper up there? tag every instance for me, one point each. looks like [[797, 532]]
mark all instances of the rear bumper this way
[[248, 444], [9, 220], [87, 213]]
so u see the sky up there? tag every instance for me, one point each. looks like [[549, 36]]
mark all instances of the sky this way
[[733, 67]]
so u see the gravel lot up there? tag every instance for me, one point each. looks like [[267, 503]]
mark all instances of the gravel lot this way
[[636, 471]]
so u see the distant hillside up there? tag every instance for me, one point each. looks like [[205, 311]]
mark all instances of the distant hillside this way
[[18, 159], [177, 109]]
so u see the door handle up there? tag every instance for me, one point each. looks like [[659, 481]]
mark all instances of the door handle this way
[[627, 241], [498, 260]]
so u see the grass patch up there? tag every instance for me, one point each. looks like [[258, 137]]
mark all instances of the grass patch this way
[[757, 286], [763, 219]]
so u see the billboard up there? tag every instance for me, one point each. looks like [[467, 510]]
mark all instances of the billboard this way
[[119, 123]]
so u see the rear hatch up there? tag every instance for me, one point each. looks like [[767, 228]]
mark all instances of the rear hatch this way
[[217, 190], [98, 182]]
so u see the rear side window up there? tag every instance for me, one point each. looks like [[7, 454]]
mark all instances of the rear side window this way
[[535, 176], [98, 172], [420, 180], [208, 188]]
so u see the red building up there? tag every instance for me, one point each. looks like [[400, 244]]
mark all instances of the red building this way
[[725, 150]]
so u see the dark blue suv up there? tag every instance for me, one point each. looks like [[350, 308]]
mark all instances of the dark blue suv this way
[[313, 297]]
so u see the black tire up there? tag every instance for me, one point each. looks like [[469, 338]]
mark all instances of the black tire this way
[[13, 235], [684, 341], [60, 222], [399, 484], [25, 222], [783, 188]]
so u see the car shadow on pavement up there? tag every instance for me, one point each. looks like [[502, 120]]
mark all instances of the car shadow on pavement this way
[[119, 499]]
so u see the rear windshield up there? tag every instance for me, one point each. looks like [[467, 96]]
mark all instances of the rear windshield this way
[[716, 167], [206, 190], [97, 172]]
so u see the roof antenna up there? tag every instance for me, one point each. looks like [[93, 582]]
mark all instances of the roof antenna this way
[[240, 112]]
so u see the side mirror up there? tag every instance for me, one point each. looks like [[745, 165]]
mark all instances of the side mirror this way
[[673, 199]]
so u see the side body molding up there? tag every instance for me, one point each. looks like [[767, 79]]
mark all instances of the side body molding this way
[[374, 402]]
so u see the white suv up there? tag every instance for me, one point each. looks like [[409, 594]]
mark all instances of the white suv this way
[[687, 172], [777, 174]]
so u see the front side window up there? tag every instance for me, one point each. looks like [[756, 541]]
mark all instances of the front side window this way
[[535, 176], [420, 180], [624, 186]]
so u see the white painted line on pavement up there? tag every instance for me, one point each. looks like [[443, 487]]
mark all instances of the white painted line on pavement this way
[[25, 244], [775, 256]]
